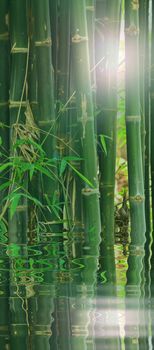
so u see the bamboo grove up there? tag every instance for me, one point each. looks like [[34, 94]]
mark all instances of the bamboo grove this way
[[59, 98]]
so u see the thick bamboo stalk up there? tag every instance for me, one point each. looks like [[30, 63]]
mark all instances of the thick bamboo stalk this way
[[19, 53], [63, 89], [54, 20], [90, 13], [147, 120], [107, 102], [46, 116], [44, 293], [135, 166], [133, 123], [33, 184], [107, 46], [152, 114], [85, 117], [18, 223], [142, 64], [4, 134], [144, 41], [152, 165]]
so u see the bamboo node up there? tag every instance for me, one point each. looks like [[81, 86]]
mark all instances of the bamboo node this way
[[77, 38], [132, 30], [90, 8], [90, 191], [17, 104], [137, 198], [46, 122], [4, 36], [135, 5], [130, 118], [136, 250], [15, 49], [46, 42]]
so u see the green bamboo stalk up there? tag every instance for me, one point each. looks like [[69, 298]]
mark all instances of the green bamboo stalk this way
[[41, 319], [90, 13], [147, 153], [18, 223], [135, 164], [34, 184], [144, 40], [54, 21], [46, 116], [63, 82], [83, 286], [63, 71], [85, 118], [152, 164], [19, 53], [133, 122], [147, 123], [107, 103], [142, 63], [152, 115], [107, 47], [4, 134]]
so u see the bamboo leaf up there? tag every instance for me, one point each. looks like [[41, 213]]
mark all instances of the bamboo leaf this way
[[5, 185], [5, 166], [103, 143], [3, 228], [63, 165], [43, 170], [81, 176], [31, 172]]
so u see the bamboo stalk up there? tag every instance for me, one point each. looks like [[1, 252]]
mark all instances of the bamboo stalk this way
[[18, 224], [85, 122], [54, 21], [90, 13], [152, 114], [152, 163], [133, 122], [107, 119], [147, 152], [63, 88], [4, 134], [135, 165], [107, 47], [41, 319], [144, 41], [35, 183], [142, 63], [46, 116]]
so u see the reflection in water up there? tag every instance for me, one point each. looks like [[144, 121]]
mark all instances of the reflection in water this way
[[67, 297]]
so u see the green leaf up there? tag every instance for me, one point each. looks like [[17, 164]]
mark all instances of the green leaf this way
[[3, 228], [43, 170], [5, 166], [81, 176], [63, 165], [5, 185], [103, 143], [33, 199], [31, 171]]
